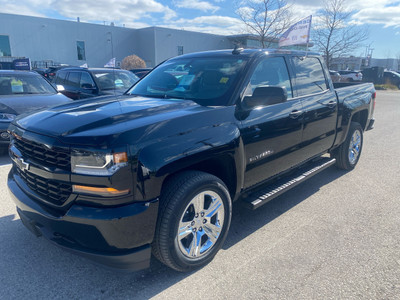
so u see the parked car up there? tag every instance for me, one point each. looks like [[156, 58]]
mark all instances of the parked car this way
[[336, 77], [40, 71], [351, 75], [23, 92], [141, 72], [51, 72], [157, 169], [80, 83], [391, 77]]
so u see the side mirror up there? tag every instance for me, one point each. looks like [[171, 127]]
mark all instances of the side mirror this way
[[266, 95], [60, 88]]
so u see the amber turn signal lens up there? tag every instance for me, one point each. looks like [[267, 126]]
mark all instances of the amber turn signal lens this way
[[105, 192], [120, 157]]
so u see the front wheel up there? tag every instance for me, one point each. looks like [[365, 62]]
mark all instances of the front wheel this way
[[194, 220], [349, 152]]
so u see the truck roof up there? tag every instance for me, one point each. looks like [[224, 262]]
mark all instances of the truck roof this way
[[247, 53]]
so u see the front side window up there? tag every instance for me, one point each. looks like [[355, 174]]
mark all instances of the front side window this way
[[310, 78], [73, 79], [205, 80], [80, 47], [271, 71], [5, 49], [86, 80]]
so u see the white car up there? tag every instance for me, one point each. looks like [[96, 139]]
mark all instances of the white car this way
[[351, 75]]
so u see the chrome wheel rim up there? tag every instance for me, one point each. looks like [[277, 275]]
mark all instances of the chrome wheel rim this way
[[201, 224], [354, 147]]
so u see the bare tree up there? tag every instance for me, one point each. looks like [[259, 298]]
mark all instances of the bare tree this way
[[334, 35], [267, 19], [132, 62]]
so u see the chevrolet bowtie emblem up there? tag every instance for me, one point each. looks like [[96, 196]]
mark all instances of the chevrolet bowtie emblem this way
[[21, 163]]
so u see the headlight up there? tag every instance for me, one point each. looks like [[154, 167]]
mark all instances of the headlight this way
[[7, 117], [100, 164]]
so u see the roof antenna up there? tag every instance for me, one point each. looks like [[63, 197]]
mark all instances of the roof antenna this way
[[237, 50]]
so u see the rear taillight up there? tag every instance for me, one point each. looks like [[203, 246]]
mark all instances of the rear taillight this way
[[374, 98]]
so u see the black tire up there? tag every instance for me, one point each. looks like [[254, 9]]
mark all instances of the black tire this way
[[178, 203], [346, 157]]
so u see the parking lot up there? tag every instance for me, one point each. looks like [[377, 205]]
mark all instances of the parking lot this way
[[336, 236]]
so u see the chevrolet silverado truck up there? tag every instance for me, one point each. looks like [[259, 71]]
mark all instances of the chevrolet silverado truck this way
[[157, 169]]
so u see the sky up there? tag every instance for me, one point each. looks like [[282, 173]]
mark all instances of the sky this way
[[382, 17]]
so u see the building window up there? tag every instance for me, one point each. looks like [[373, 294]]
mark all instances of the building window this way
[[5, 49], [180, 50], [80, 47]]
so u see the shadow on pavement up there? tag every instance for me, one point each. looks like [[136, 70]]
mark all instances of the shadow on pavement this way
[[32, 266], [245, 221]]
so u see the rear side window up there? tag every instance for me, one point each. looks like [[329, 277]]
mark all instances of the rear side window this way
[[73, 79], [310, 78], [60, 77]]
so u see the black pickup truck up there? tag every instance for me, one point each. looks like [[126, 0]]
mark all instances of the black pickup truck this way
[[156, 170]]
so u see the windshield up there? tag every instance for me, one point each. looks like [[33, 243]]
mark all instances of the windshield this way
[[206, 80], [22, 84], [115, 79]]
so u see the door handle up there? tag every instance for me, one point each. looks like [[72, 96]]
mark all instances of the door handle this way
[[295, 114]]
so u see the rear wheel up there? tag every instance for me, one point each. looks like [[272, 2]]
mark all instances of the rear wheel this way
[[349, 152], [194, 220]]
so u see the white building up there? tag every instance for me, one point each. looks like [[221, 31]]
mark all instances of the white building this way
[[49, 41]]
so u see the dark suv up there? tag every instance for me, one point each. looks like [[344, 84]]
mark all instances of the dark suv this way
[[80, 83], [391, 77]]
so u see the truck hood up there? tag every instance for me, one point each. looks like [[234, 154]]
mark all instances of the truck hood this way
[[92, 121]]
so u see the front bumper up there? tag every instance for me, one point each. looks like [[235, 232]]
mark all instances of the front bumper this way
[[118, 237]]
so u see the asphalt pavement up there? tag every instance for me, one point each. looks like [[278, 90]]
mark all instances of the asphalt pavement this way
[[337, 236]]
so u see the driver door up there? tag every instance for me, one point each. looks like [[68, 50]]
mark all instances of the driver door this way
[[271, 134]]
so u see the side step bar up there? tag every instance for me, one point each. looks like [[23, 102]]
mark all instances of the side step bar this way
[[257, 199]]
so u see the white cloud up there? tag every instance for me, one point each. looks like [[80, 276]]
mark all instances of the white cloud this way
[[209, 24], [388, 16], [385, 12], [197, 4], [122, 11], [27, 7]]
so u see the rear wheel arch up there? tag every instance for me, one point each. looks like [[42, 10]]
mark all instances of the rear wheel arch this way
[[360, 117]]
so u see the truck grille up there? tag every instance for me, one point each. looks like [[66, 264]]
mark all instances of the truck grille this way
[[53, 191], [53, 158]]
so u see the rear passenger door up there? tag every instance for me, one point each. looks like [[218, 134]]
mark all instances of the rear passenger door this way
[[319, 106], [72, 86]]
